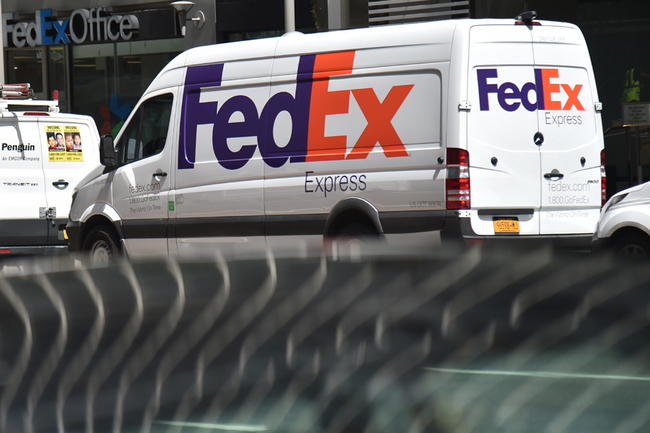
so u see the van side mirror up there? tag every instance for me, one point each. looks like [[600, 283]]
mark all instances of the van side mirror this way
[[107, 151]]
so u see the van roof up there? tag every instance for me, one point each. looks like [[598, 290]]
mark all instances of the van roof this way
[[380, 36], [52, 116], [295, 43]]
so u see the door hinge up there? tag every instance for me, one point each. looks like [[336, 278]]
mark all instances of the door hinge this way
[[464, 106], [47, 212]]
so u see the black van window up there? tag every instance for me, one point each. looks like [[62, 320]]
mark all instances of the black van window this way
[[146, 134]]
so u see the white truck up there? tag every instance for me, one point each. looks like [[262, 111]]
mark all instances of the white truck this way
[[44, 155], [476, 129]]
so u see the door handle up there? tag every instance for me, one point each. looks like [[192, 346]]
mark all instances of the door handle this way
[[60, 184], [160, 174], [553, 175]]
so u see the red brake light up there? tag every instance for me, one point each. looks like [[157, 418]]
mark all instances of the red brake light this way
[[457, 182], [457, 157], [526, 19]]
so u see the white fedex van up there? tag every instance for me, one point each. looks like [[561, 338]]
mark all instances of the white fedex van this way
[[481, 129], [44, 155]]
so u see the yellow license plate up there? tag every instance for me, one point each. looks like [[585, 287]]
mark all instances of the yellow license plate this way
[[506, 225]]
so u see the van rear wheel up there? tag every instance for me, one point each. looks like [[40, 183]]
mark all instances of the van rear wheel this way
[[102, 246], [348, 240], [356, 231]]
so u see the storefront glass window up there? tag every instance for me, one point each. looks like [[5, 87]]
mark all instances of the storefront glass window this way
[[26, 66], [109, 79], [57, 75], [44, 68]]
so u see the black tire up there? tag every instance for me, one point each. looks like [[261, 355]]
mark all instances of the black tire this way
[[102, 246], [630, 245], [350, 240], [356, 231]]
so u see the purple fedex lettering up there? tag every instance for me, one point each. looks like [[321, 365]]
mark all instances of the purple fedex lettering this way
[[540, 85], [525, 91], [195, 113], [224, 129], [199, 113], [298, 109], [484, 88], [507, 92], [510, 97]]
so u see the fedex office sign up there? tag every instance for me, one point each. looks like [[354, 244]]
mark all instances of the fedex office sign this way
[[95, 24], [547, 93], [312, 102]]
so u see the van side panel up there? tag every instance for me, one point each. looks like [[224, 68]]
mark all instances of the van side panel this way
[[219, 179], [350, 123], [373, 133]]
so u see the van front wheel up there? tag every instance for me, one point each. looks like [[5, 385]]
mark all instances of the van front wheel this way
[[101, 245], [632, 245]]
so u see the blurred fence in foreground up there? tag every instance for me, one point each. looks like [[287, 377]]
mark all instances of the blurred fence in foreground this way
[[479, 341]]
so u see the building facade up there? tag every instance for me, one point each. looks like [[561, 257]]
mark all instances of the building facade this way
[[98, 59], [100, 56]]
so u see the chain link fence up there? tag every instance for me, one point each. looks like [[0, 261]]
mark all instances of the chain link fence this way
[[478, 341]]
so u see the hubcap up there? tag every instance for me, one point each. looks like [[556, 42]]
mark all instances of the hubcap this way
[[633, 250], [100, 254]]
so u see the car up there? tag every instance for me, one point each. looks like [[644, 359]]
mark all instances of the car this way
[[624, 224]]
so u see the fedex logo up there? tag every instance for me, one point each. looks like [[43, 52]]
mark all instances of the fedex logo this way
[[548, 92], [308, 108]]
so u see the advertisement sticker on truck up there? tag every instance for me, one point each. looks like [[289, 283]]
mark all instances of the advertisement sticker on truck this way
[[313, 102], [64, 143], [549, 92]]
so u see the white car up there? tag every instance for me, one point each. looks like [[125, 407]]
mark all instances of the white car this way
[[624, 224]]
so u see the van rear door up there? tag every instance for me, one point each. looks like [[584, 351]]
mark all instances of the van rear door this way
[[571, 129], [22, 187], [505, 176]]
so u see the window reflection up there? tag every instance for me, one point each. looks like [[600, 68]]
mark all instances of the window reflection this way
[[109, 79]]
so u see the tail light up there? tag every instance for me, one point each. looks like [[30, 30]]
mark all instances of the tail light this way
[[457, 183], [603, 179]]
